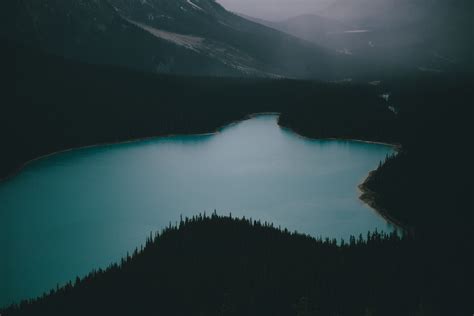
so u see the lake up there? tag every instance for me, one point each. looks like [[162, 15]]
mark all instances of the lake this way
[[79, 210]]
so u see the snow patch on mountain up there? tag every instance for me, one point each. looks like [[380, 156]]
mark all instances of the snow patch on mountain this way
[[224, 53], [195, 6], [190, 42]]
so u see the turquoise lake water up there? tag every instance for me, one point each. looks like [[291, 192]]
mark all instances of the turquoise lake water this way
[[72, 212]]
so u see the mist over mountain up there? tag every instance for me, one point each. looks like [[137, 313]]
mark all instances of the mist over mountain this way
[[310, 27], [344, 39], [275, 10], [419, 35]]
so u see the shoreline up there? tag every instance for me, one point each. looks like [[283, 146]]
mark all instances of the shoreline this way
[[397, 147], [62, 151], [367, 196], [130, 141], [105, 144]]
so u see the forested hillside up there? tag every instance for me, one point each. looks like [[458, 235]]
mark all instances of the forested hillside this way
[[224, 266], [427, 185], [55, 104], [51, 103]]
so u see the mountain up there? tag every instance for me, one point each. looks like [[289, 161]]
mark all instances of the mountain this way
[[422, 35], [310, 27], [197, 37], [430, 34]]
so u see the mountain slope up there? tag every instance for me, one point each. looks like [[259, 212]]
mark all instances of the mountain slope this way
[[431, 35], [424, 35], [167, 36], [91, 31], [226, 266], [228, 33], [310, 27]]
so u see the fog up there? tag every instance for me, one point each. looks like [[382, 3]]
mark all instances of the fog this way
[[274, 10], [419, 34]]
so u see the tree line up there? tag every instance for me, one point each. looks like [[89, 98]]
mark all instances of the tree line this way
[[221, 265]]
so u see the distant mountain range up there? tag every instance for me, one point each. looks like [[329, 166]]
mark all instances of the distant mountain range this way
[[197, 37], [200, 37], [423, 35]]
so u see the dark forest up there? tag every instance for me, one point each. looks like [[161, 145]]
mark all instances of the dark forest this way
[[222, 265]]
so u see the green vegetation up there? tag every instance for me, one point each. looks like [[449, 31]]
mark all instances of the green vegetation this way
[[427, 185], [220, 266], [224, 266], [55, 104]]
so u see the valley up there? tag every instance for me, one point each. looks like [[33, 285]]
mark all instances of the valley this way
[[132, 96]]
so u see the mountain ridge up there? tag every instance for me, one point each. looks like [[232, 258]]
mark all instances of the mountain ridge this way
[[147, 35], [425, 35]]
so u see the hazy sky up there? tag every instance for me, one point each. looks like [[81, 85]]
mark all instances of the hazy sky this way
[[274, 9]]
